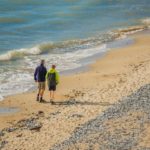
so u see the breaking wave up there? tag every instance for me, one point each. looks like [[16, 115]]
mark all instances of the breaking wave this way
[[49, 47]]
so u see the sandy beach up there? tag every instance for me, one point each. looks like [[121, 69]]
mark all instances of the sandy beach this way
[[80, 98]]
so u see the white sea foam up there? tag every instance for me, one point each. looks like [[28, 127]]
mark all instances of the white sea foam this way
[[146, 21], [1, 98], [18, 81], [50, 46], [14, 54], [65, 61]]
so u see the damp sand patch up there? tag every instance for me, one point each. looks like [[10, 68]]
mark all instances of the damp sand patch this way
[[8, 110]]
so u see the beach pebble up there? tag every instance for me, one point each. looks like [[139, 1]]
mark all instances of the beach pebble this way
[[2, 144], [2, 133], [32, 124], [35, 126], [76, 116], [40, 114], [116, 128], [19, 135], [71, 102], [12, 129], [55, 113]]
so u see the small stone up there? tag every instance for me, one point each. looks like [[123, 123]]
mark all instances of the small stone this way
[[12, 129], [2, 133], [40, 112], [76, 115], [2, 144], [19, 135], [35, 126]]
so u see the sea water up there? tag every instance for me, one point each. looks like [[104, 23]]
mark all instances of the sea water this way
[[63, 32]]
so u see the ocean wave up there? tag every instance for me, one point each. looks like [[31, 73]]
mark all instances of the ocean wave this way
[[38, 49], [42, 48], [131, 30], [143, 24], [49, 47], [15, 54], [20, 81]]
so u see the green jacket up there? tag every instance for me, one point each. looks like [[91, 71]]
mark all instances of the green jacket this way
[[53, 71]]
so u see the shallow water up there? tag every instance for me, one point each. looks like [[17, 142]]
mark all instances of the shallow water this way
[[8, 110]]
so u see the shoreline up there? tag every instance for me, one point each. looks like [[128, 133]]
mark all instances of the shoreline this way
[[89, 66], [117, 38], [115, 44], [86, 62], [116, 75]]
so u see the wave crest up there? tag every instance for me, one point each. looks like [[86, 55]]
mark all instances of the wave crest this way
[[15, 54], [48, 47], [40, 49]]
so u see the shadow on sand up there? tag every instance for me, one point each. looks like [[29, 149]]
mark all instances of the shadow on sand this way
[[74, 102]]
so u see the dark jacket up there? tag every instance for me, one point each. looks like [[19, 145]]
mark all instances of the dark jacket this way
[[40, 73]]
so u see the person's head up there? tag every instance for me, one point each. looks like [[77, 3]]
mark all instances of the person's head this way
[[53, 66], [42, 62]]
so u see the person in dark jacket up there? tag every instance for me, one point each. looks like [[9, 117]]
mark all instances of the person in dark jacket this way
[[40, 77]]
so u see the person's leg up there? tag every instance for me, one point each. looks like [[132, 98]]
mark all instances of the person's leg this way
[[54, 89], [37, 98], [38, 93], [42, 90], [41, 95], [53, 95], [50, 93]]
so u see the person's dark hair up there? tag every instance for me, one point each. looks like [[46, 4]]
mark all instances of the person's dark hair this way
[[42, 62], [53, 66]]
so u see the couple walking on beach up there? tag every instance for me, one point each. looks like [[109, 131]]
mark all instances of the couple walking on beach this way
[[41, 75]]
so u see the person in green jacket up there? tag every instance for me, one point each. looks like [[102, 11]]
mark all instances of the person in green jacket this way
[[52, 77]]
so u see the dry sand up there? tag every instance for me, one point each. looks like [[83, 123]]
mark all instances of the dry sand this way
[[81, 97]]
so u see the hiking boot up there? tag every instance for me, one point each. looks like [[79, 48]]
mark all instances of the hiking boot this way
[[37, 99], [41, 99]]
